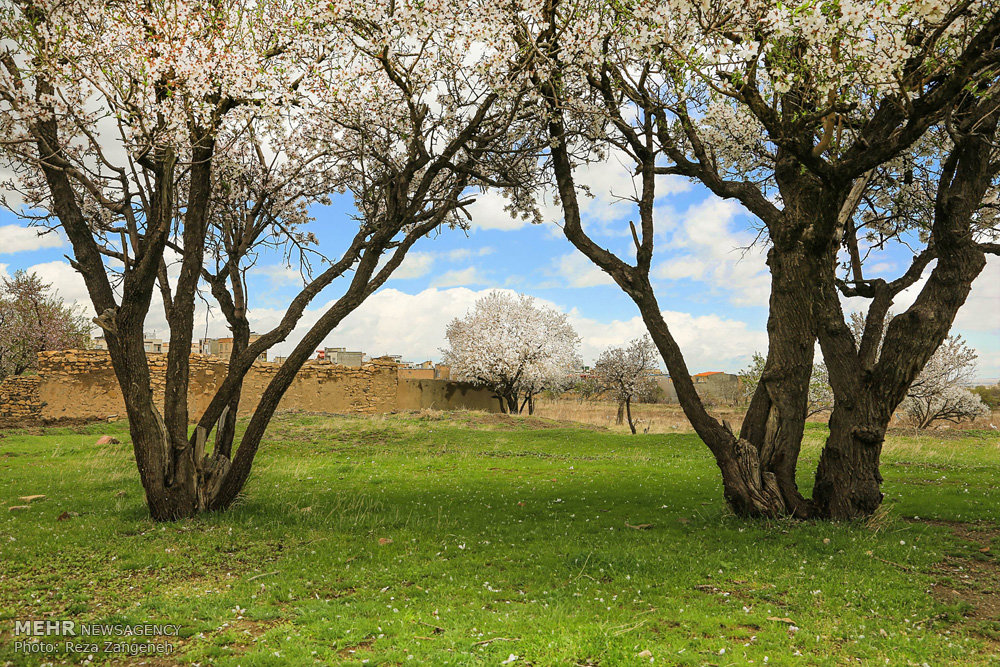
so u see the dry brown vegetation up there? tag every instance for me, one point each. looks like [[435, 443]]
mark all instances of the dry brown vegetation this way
[[649, 417], [669, 418]]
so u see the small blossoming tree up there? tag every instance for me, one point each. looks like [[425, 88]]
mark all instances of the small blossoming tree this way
[[625, 373], [33, 318]]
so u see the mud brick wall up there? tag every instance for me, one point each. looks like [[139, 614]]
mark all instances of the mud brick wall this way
[[444, 395], [81, 385], [19, 399]]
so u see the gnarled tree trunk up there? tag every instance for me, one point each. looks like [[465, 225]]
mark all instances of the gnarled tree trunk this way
[[775, 419], [848, 480], [868, 382]]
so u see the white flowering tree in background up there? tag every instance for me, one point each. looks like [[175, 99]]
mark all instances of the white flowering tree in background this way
[[33, 318], [940, 391], [625, 373], [937, 396], [799, 111], [514, 347], [174, 141]]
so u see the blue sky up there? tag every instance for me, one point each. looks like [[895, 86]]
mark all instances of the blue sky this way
[[713, 292]]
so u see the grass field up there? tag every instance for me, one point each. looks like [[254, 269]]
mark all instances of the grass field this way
[[468, 539]]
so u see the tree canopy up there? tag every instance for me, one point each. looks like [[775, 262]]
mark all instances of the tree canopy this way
[[33, 318]]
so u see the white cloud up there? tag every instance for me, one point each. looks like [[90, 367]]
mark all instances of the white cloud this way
[[460, 254], [413, 325], [414, 265], [578, 271], [706, 248], [457, 277], [708, 342], [394, 322], [682, 267], [880, 269], [603, 190], [612, 183], [278, 274], [65, 280], [19, 239], [489, 212], [981, 311]]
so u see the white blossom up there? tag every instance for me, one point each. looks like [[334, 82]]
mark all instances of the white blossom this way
[[513, 346]]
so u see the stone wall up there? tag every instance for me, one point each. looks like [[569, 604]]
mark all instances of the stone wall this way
[[19, 400], [75, 385]]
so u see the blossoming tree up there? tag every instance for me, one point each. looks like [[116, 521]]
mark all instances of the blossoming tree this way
[[624, 371], [173, 141], [936, 395], [33, 318], [513, 346], [793, 109], [939, 391]]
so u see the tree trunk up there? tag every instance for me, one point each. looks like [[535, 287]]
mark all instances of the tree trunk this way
[[775, 419], [226, 480], [748, 489], [169, 496], [848, 480], [868, 385], [628, 411], [620, 417]]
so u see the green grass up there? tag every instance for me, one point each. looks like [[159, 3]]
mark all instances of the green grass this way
[[507, 530]]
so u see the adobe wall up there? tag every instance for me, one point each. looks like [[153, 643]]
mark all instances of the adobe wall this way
[[73, 385], [444, 395]]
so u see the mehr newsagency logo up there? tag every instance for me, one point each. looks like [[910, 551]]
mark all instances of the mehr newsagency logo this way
[[66, 636]]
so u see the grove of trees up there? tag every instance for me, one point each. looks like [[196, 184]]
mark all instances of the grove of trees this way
[[172, 141]]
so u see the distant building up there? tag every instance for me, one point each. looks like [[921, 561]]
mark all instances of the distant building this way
[[150, 344], [195, 347], [416, 373], [425, 370], [223, 347], [341, 356]]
